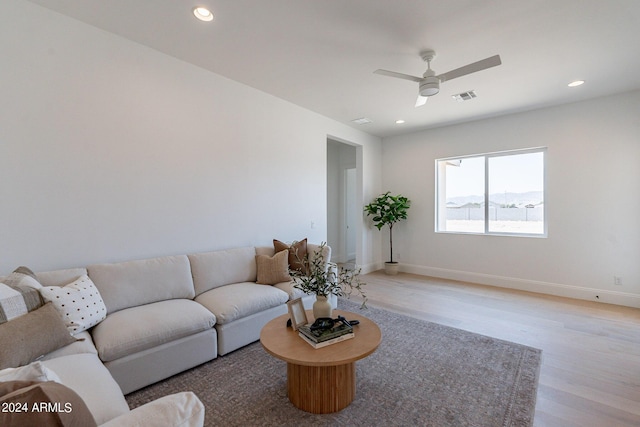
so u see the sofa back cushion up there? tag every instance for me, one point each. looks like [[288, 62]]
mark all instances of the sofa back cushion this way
[[326, 253], [60, 277], [214, 269], [133, 283]]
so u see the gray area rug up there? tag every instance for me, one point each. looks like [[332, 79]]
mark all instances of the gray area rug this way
[[423, 374]]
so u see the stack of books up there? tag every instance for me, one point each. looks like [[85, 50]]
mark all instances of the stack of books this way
[[323, 338]]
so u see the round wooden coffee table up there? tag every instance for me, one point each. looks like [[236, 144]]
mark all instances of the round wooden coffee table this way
[[320, 380]]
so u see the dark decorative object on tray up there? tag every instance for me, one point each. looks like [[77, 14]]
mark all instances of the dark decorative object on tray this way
[[326, 331]]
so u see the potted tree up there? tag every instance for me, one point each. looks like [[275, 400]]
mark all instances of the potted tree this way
[[387, 210]]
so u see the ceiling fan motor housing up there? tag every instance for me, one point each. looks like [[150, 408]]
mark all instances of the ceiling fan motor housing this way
[[429, 86]]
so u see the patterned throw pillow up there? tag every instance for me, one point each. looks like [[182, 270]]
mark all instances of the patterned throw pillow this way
[[19, 294], [79, 303]]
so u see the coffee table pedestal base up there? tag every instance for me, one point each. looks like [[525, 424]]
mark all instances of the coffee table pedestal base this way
[[321, 389]]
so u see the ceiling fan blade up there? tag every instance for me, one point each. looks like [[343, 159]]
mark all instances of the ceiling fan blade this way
[[398, 75], [471, 68], [421, 101]]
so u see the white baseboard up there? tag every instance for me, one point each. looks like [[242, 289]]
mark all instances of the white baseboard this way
[[557, 289], [370, 268], [340, 257]]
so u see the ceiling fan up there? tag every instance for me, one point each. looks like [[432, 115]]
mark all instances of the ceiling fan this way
[[429, 83]]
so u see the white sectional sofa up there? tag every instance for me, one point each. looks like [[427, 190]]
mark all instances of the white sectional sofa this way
[[166, 315]]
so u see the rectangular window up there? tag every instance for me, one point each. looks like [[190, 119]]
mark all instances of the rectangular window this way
[[497, 193]]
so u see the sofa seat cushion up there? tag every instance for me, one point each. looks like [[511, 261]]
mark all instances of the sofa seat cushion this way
[[289, 288], [83, 345], [136, 329], [86, 375], [238, 300]]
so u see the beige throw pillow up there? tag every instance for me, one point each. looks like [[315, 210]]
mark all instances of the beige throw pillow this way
[[26, 338], [272, 270]]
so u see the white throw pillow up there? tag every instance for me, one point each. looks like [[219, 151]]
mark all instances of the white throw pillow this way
[[79, 303], [35, 371], [175, 410]]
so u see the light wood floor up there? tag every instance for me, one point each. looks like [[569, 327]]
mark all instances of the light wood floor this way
[[590, 373]]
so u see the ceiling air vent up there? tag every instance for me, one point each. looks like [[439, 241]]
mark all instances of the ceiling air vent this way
[[361, 121], [465, 96]]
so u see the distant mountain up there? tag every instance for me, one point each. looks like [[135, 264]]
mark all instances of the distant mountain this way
[[518, 199]]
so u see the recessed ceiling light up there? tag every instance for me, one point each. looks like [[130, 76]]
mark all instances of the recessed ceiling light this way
[[399, 122], [576, 83], [203, 14]]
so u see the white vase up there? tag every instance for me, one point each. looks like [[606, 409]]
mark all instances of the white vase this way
[[322, 307]]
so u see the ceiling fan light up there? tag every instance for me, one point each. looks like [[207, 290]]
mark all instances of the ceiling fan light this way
[[429, 86]]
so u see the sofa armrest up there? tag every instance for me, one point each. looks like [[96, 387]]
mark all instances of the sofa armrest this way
[[180, 409]]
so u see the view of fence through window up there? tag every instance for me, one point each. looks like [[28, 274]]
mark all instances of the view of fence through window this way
[[492, 193]]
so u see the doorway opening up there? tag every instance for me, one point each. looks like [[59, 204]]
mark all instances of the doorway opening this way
[[344, 201]]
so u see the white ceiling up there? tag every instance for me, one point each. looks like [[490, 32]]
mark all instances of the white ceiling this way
[[321, 54]]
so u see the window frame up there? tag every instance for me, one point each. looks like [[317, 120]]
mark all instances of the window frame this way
[[486, 232]]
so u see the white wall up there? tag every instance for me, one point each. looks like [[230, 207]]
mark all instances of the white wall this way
[[593, 167], [112, 151]]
